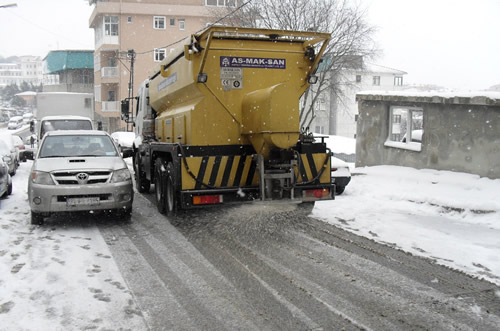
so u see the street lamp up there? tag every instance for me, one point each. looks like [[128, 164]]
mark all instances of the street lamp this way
[[9, 5]]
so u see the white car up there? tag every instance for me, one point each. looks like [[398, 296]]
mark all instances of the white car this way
[[15, 122], [9, 154], [16, 144], [78, 170], [5, 180], [341, 175], [123, 139]]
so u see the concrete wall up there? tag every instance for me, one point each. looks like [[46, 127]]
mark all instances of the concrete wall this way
[[460, 133]]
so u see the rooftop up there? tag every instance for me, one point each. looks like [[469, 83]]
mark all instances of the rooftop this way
[[471, 97], [57, 61]]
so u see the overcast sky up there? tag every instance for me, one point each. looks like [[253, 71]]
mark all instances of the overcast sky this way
[[452, 43]]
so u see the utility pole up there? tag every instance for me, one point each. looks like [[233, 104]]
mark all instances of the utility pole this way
[[127, 104], [131, 55]]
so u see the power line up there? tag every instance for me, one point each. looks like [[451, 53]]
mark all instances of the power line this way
[[212, 24]]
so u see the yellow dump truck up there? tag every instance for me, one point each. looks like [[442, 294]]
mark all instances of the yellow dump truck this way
[[218, 121]]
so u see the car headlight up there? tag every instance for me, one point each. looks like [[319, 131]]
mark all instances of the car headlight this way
[[41, 177], [7, 158], [121, 175]]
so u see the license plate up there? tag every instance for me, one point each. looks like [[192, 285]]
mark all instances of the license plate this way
[[82, 201]]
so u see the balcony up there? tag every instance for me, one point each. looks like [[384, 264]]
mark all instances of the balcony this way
[[109, 72], [109, 106]]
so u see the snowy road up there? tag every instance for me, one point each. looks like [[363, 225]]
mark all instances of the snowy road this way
[[252, 267]]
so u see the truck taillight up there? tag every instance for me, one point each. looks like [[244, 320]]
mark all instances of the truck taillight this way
[[316, 193], [207, 199]]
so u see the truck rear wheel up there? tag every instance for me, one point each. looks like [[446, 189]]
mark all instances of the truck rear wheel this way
[[160, 186], [142, 183], [171, 201]]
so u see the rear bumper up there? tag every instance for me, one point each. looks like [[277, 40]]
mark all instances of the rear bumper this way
[[250, 194], [49, 199]]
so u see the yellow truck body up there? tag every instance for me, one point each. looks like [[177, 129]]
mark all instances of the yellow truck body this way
[[227, 100]]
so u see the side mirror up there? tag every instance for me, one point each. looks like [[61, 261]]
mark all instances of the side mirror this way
[[125, 105]]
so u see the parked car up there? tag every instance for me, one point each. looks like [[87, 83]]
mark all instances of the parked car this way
[[123, 139], [5, 180], [341, 175], [18, 142], [27, 118], [8, 155], [78, 170], [15, 122], [416, 136], [15, 143]]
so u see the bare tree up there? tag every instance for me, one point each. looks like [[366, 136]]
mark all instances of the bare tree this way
[[345, 20]]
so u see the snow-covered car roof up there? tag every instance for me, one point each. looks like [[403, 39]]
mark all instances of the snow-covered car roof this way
[[124, 137]]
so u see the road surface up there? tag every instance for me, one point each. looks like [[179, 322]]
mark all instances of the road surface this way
[[269, 267]]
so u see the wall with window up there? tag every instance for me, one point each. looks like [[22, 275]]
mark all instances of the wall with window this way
[[430, 131]]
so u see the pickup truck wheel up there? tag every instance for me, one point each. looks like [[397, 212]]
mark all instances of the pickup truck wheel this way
[[160, 175], [171, 201], [142, 183], [36, 218]]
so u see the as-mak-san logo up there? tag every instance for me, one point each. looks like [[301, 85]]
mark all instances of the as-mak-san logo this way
[[252, 62]]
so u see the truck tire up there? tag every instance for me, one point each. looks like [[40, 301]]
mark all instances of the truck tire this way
[[170, 196], [160, 175], [143, 184]]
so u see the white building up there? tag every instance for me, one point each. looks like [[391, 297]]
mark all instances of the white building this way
[[26, 69], [336, 115]]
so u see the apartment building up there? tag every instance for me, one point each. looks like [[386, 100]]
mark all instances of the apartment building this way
[[25, 69], [336, 114], [151, 29]]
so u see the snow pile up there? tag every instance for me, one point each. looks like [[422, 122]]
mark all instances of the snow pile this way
[[453, 218]]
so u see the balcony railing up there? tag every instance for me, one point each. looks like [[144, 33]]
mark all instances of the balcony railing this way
[[109, 106], [109, 72]]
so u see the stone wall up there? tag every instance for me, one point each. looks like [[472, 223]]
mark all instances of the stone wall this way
[[461, 133]]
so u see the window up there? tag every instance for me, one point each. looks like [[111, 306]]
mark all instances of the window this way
[[111, 95], [172, 22], [358, 78], [406, 128], [398, 81], [88, 103], [129, 19], [159, 22], [376, 80], [111, 25], [181, 23], [159, 54], [221, 3]]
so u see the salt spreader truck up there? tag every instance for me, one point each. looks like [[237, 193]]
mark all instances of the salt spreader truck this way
[[218, 121]]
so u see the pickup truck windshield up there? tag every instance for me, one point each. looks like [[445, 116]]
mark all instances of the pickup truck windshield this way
[[77, 145], [53, 125]]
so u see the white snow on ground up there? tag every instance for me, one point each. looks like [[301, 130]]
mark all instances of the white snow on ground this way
[[62, 276], [453, 218]]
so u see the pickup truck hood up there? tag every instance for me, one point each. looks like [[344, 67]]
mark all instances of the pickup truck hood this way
[[50, 164]]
